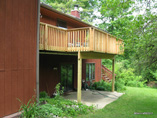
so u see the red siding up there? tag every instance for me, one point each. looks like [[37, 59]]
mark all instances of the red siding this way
[[97, 68], [51, 18], [18, 29], [49, 77]]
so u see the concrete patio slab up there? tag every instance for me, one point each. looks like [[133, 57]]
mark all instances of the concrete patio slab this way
[[93, 97]]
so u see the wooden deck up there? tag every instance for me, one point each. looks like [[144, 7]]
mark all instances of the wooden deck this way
[[78, 39]]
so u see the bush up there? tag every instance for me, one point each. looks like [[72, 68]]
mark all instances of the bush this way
[[47, 110], [43, 94], [126, 77], [59, 90], [69, 107], [62, 107], [57, 106], [119, 85], [34, 110], [102, 86]]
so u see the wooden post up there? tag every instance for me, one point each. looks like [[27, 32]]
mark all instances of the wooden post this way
[[79, 77], [113, 74], [91, 31], [46, 37]]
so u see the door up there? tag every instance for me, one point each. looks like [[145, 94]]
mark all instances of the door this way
[[67, 77]]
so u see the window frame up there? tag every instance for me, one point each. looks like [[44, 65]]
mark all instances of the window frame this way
[[90, 71], [60, 21]]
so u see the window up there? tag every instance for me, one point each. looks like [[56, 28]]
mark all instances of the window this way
[[90, 71], [61, 23]]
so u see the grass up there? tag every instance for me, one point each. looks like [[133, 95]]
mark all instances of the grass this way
[[135, 100]]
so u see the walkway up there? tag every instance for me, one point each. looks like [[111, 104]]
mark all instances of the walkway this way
[[93, 97]]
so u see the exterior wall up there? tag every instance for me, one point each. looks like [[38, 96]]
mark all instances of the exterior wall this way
[[97, 68], [51, 18], [49, 77], [18, 29]]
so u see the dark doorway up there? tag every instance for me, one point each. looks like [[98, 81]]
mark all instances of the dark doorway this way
[[67, 77]]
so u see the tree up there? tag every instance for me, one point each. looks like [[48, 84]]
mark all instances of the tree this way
[[136, 25], [114, 14]]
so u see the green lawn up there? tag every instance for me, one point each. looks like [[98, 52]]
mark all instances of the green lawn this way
[[137, 100]]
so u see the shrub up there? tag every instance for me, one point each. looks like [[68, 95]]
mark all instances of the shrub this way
[[35, 110], [69, 107], [119, 85], [43, 94], [102, 85], [126, 77], [47, 110], [59, 90], [101, 88]]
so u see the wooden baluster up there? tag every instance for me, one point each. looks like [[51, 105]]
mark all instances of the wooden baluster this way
[[48, 40], [103, 42], [107, 43], [80, 41], [66, 41], [100, 41], [85, 39], [46, 34], [55, 39], [97, 41], [73, 40], [61, 40], [52, 38], [91, 39]]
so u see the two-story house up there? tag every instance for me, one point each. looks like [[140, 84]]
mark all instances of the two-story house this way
[[71, 50], [41, 47]]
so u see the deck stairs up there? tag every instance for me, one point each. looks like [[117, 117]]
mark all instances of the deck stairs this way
[[106, 74]]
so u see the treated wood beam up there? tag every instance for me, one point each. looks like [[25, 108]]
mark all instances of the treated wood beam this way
[[59, 53], [96, 55], [113, 75], [79, 78]]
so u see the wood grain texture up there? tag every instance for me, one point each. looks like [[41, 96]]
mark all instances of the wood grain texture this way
[[18, 29]]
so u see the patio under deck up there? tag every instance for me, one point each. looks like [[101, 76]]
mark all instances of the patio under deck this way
[[93, 97]]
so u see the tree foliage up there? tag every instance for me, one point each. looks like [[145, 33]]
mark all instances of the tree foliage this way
[[136, 25]]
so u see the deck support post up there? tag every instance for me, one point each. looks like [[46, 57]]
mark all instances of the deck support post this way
[[79, 77], [113, 74]]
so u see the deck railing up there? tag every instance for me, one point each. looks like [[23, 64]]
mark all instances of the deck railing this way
[[72, 40]]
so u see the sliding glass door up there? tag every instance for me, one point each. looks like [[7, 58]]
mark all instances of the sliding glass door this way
[[67, 77]]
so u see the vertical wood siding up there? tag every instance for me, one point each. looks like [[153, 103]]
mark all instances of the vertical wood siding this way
[[50, 17], [49, 78], [18, 28]]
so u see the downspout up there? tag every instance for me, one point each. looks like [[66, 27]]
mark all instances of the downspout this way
[[37, 52]]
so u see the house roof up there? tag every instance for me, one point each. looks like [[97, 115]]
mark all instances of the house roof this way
[[72, 17], [67, 15]]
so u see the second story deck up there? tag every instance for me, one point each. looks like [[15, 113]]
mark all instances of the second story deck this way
[[84, 39]]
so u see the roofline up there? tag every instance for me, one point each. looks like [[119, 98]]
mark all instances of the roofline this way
[[72, 17], [59, 12]]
